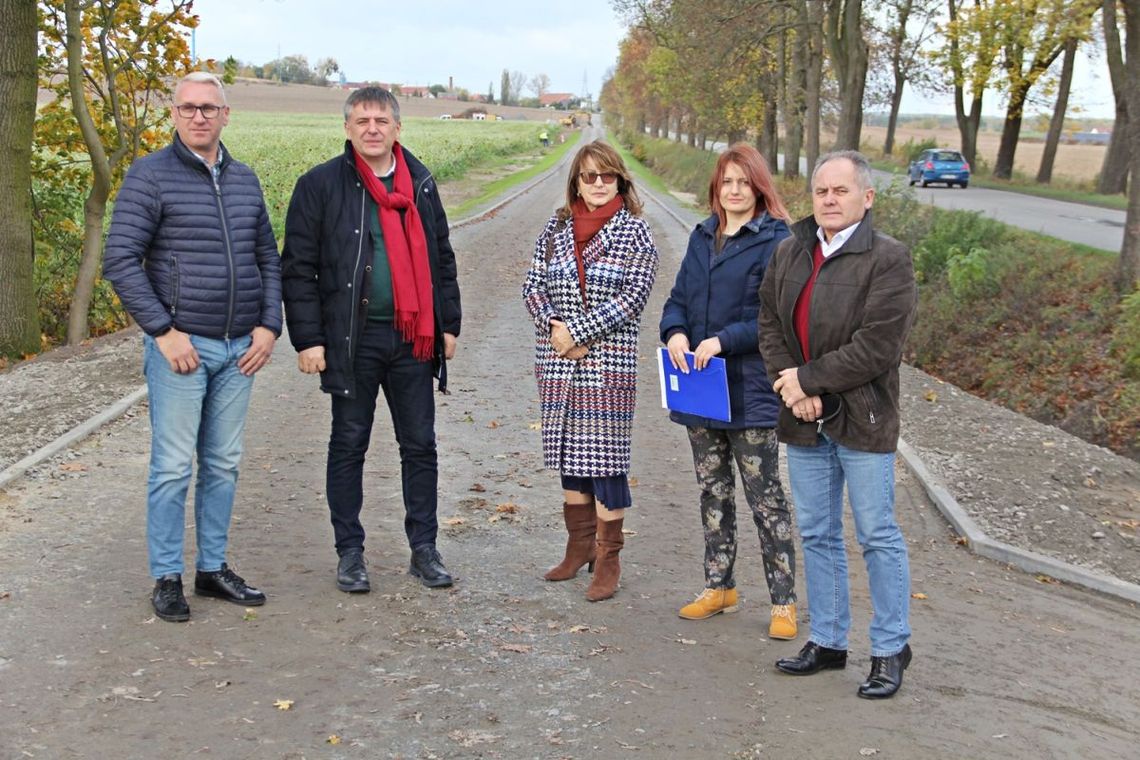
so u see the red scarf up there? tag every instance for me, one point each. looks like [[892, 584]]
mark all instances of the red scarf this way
[[587, 224], [407, 253]]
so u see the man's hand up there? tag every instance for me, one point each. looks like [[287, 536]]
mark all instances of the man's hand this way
[[176, 347], [788, 386], [448, 346], [560, 338], [809, 409], [312, 360], [677, 346], [260, 349], [706, 349]]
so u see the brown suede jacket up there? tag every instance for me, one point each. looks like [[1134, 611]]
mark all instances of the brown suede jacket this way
[[862, 308]]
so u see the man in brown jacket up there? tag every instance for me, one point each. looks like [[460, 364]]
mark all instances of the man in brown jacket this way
[[836, 304]]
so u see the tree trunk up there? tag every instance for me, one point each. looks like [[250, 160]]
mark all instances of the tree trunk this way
[[814, 11], [1057, 124], [893, 119], [1114, 173], [96, 204], [967, 122], [1128, 271], [19, 316], [897, 39], [849, 59], [795, 106], [1010, 133]]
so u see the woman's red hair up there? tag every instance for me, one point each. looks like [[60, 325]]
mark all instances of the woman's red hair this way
[[755, 168]]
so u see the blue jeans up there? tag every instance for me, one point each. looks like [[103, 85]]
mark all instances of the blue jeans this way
[[202, 412], [817, 475], [384, 361]]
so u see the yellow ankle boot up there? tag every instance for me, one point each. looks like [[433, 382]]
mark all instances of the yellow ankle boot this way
[[710, 602], [783, 625]]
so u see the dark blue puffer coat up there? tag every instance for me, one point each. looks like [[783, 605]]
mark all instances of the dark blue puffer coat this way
[[719, 296], [183, 252]]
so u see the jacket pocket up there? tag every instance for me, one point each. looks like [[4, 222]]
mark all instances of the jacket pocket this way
[[175, 285], [870, 398]]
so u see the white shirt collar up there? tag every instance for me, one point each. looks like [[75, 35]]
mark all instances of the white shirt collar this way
[[837, 241]]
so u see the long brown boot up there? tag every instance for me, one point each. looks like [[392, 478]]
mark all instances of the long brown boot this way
[[580, 529], [608, 571]]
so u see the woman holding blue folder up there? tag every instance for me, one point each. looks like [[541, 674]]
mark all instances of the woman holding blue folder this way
[[712, 311]]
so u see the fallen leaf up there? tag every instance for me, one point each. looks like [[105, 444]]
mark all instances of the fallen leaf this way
[[1042, 578], [5, 595], [73, 467], [579, 629], [868, 751], [519, 648], [477, 488], [283, 704], [918, 595], [221, 684], [535, 426], [961, 540], [249, 615], [1048, 444], [493, 424], [634, 482], [454, 521], [334, 739], [930, 396], [509, 508], [628, 532], [687, 641]]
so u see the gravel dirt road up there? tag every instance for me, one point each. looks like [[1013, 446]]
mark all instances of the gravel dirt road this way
[[504, 665]]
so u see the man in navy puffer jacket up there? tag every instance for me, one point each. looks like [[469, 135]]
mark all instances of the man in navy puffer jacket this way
[[192, 256]]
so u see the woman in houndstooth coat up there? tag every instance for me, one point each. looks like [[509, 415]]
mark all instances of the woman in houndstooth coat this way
[[594, 265]]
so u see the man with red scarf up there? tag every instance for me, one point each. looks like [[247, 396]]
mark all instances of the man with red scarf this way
[[371, 303]]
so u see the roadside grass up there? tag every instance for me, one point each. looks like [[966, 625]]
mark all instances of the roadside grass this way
[[640, 170], [1022, 319], [499, 186]]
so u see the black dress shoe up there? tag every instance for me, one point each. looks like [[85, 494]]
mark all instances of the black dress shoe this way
[[352, 572], [812, 659], [228, 585], [168, 600], [886, 675], [427, 565]]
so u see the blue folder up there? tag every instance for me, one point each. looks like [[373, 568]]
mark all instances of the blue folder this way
[[701, 392]]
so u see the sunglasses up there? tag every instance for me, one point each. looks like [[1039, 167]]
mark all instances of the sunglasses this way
[[590, 178]]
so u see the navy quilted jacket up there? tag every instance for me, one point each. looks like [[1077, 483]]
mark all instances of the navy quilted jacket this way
[[187, 253], [719, 296]]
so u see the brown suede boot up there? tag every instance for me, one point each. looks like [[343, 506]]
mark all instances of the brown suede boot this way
[[610, 541], [580, 529]]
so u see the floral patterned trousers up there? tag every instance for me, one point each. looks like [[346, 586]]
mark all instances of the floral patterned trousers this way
[[758, 455]]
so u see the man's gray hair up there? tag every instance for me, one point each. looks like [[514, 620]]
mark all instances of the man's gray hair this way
[[375, 95], [203, 77], [862, 166]]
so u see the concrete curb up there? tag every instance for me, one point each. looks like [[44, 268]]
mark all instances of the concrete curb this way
[[976, 539], [73, 436], [983, 545]]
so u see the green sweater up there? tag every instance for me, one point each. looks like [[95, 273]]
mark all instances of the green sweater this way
[[381, 305]]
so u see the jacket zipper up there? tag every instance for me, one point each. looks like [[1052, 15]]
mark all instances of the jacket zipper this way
[[355, 268], [229, 254], [870, 406], [176, 285]]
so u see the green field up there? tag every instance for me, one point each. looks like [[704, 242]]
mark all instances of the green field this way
[[282, 147]]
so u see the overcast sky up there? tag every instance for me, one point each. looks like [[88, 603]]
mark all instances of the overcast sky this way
[[424, 42]]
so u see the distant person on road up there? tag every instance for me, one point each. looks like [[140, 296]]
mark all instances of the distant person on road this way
[[372, 302], [712, 311], [837, 302], [544, 137], [594, 265], [192, 256]]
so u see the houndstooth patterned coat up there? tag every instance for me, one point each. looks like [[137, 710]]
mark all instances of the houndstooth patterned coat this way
[[587, 404]]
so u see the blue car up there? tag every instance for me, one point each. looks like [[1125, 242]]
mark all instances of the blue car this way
[[940, 165]]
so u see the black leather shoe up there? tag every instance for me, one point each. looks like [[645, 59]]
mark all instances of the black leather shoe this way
[[228, 585], [352, 572], [886, 675], [427, 565], [812, 659], [168, 600]]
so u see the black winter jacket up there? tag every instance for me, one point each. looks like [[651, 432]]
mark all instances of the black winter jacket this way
[[862, 308], [327, 265], [719, 297], [183, 252]]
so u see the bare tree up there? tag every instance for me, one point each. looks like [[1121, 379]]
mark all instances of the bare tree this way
[[505, 88], [1057, 123], [844, 33], [19, 319], [518, 81], [909, 27], [324, 68], [1114, 172], [539, 85]]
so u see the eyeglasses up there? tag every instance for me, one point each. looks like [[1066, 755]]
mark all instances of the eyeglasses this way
[[590, 178], [187, 111]]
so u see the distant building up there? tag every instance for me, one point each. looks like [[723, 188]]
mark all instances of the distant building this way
[[415, 91], [557, 99], [1092, 137]]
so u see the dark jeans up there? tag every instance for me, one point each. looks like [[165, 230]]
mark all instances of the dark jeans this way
[[384, 360]]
